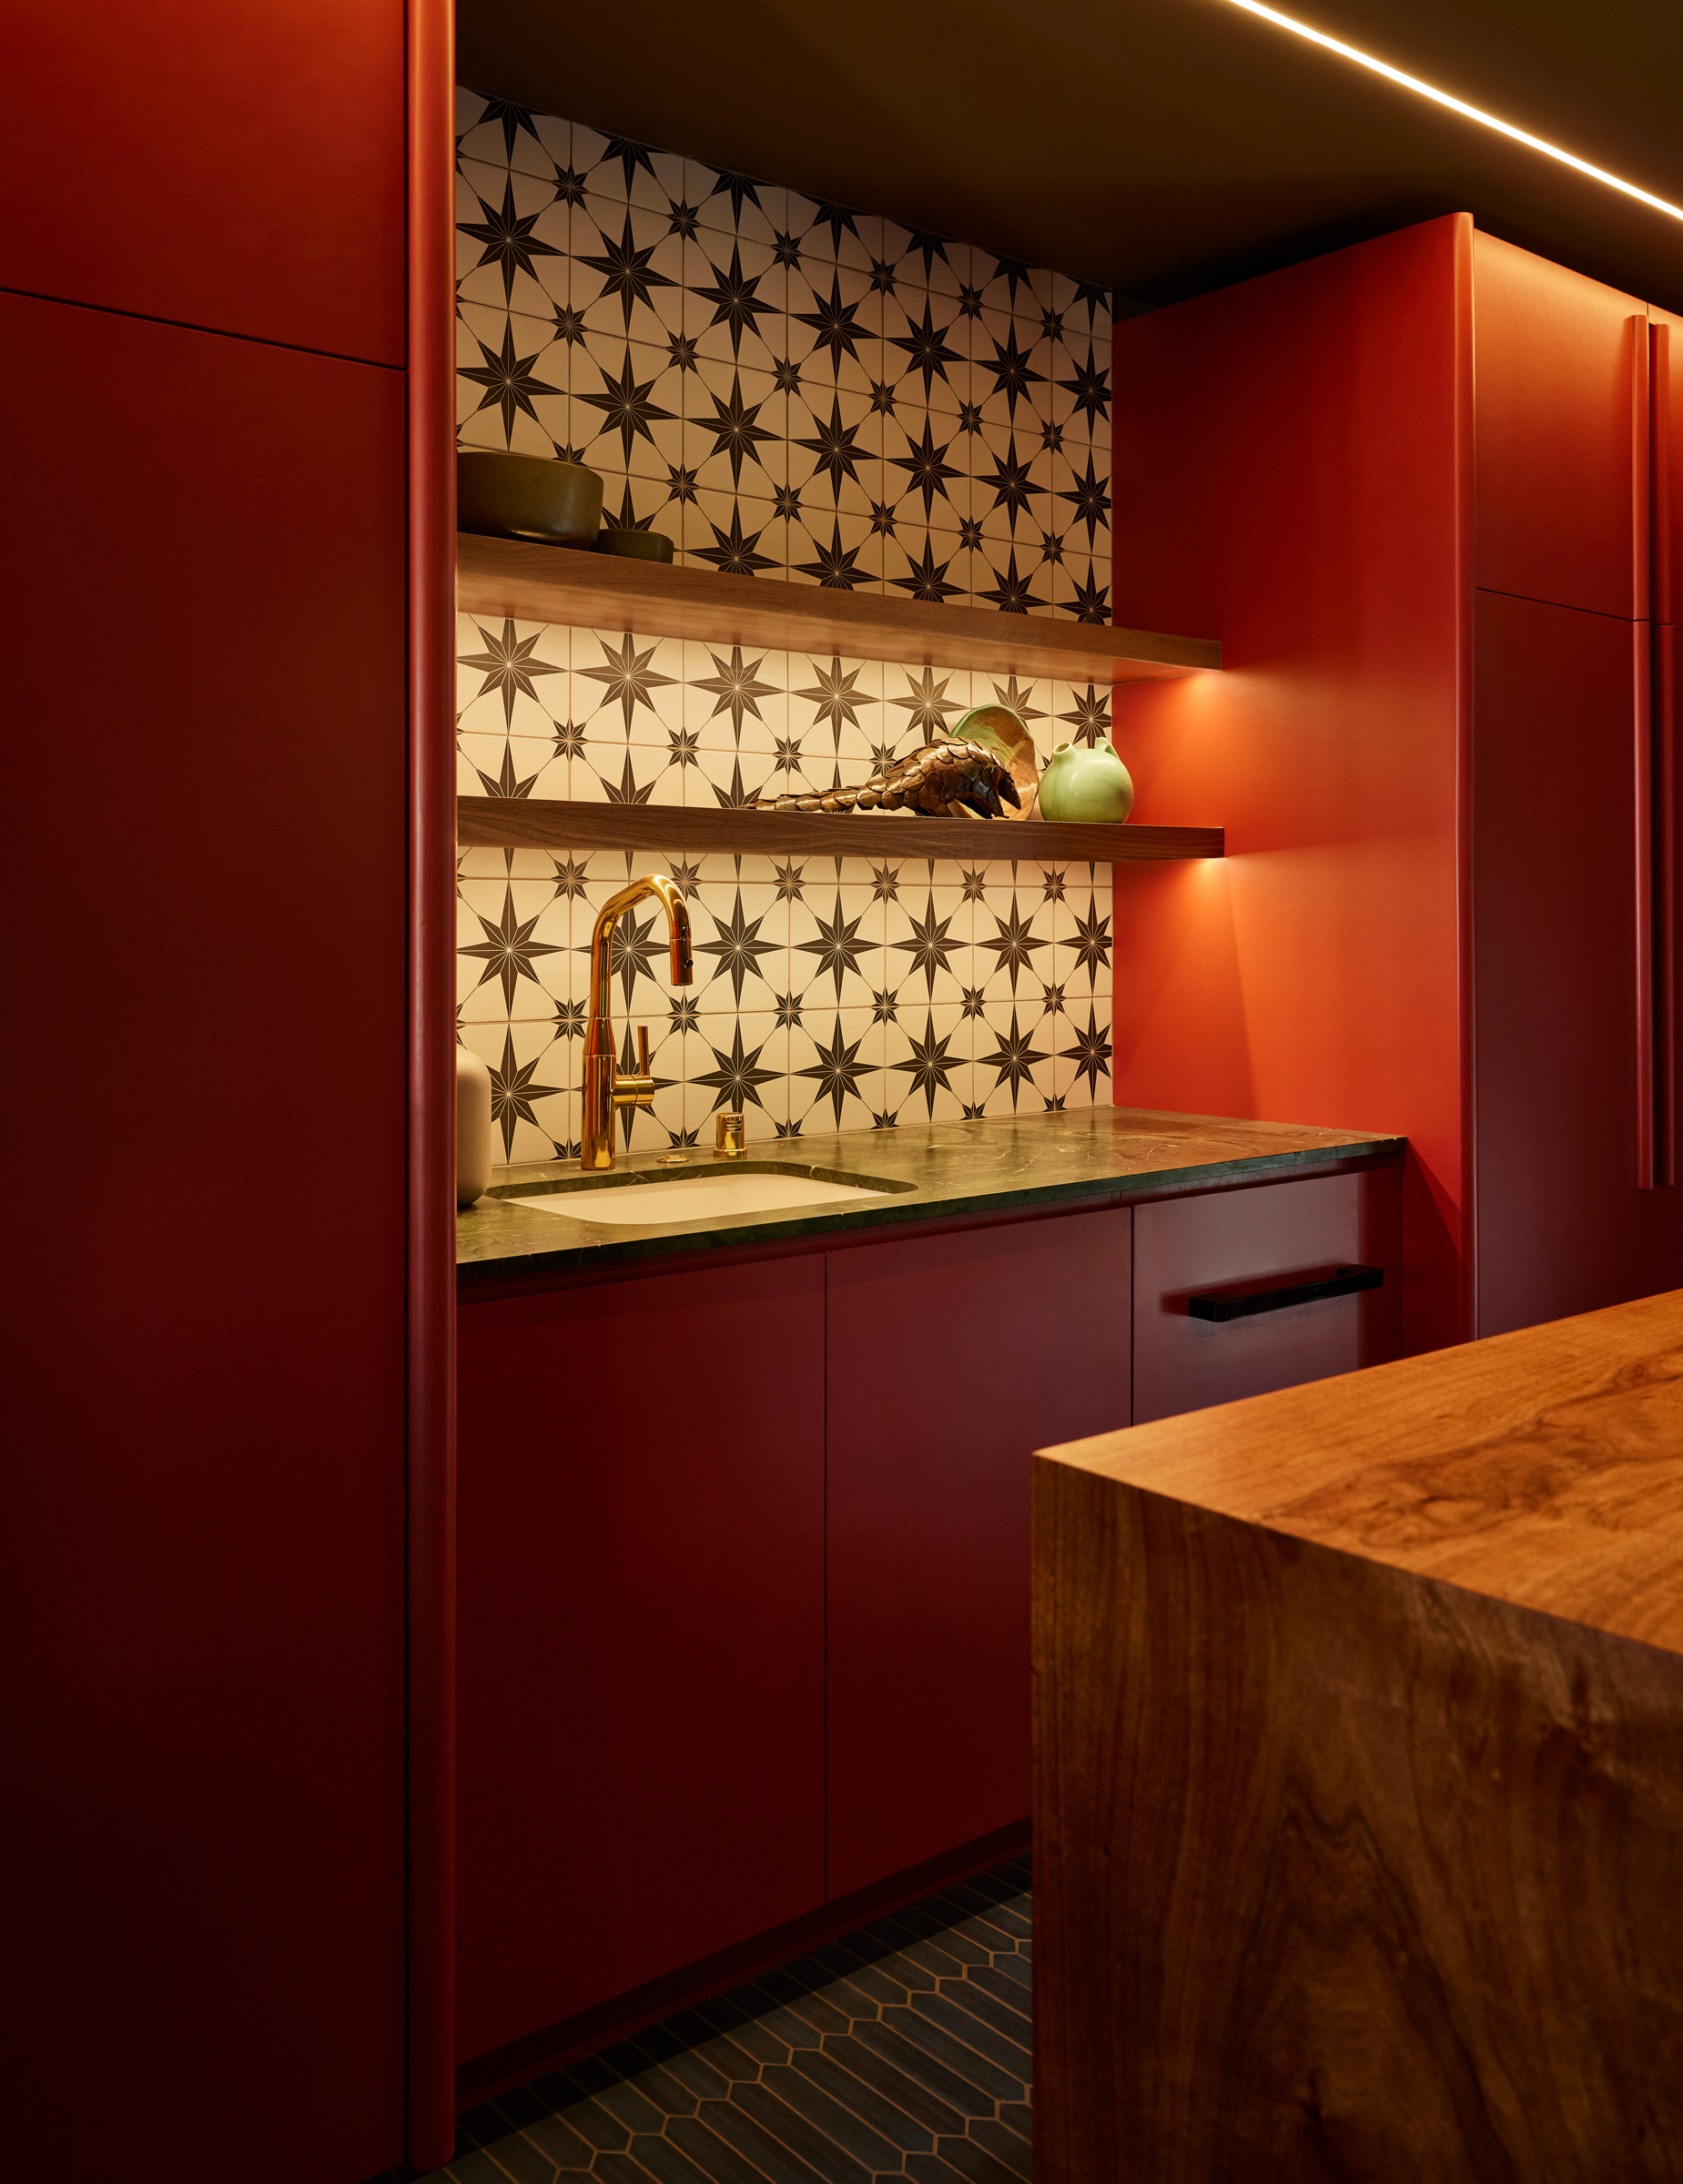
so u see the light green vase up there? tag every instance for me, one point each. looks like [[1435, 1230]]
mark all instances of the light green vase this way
[[1088, 784]]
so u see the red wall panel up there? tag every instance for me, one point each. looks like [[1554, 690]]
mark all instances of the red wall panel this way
[[236, 168], [1291, 476], [1561, 442], [641, 1601], [951, 1358], [204, 1525]]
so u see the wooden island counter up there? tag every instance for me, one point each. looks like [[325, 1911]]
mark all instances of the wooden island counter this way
[[1359, 1775]]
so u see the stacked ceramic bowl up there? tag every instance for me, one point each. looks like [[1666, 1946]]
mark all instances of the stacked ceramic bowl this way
[[550, 503]]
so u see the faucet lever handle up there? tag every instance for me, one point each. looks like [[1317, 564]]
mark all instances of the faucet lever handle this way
[[642, 1049]]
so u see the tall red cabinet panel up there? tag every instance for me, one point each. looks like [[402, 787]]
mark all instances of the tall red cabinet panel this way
[[1573, 1107], [207, 580], [1563, 1226], [204, 1529], [1289, 458], [1411, 484]]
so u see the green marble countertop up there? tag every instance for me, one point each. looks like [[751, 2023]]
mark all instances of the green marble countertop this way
[[942, 1171]]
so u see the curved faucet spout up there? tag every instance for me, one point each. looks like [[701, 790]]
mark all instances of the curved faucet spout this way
[[607, 1087]]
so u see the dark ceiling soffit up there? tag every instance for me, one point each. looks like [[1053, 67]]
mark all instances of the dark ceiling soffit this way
[[1162, 148]]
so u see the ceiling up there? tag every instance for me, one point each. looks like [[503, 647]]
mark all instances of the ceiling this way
[[1159, 147]]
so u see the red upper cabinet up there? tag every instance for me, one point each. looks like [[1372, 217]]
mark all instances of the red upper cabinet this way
[[240, 170], [1666, 397], [1561, 367]]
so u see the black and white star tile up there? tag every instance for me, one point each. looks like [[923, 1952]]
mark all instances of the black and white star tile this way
[[830, 993], [784, 387]]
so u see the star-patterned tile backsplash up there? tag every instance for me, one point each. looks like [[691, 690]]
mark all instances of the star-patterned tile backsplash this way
[[821, 395]]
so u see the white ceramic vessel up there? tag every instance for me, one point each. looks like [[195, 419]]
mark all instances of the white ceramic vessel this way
[[472, 1126]]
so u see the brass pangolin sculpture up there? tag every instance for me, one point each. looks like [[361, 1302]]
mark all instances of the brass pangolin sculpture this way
[[939, 778]]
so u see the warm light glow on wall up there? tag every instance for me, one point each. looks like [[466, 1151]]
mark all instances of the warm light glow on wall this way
[[1455, 105]]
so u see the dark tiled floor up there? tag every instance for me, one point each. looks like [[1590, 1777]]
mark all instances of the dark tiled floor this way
[[900, 2051]]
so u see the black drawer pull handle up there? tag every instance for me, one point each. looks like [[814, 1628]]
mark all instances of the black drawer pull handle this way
[[1342, 1281]]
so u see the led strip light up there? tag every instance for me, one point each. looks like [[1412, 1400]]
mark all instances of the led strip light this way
[[1455, 105]]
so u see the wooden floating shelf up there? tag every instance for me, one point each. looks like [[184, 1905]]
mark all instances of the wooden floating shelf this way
[[535, 823], [600, 591]]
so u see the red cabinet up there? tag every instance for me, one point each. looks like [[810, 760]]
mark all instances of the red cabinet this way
[[641, 1590], [205, 1515], [237, 170], [1224, 1240], [1412, 484], [744, 1580], [1301, 452], [1666, 384], [1560, 1037], [1560, 473], [951, 1358]]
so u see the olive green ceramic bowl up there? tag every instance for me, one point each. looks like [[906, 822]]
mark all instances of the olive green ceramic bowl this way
[[634, 545], [527, 497]]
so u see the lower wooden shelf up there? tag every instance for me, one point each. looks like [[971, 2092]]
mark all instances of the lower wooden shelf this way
[[532, 822]]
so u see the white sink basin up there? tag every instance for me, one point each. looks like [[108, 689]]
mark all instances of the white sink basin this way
[[703, 1197]]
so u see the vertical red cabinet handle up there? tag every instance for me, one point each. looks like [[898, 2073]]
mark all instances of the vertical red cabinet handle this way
[[1660, 470], [1664, 701], [1648, 1102], [1641, 450]]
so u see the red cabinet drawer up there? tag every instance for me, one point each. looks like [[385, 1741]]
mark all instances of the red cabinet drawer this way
[[1185, 1246]]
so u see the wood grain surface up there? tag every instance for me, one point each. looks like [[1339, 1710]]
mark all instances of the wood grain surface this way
[[1345, 1870], [538, 823], [551, 584], [1544, 1467]]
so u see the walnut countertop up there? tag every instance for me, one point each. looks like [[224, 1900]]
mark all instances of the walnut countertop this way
[[1544, 1467]]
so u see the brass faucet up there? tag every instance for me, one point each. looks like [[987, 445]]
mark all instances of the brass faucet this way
[[605, 1089]]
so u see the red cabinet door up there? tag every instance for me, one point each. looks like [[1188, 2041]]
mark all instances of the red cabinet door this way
[[1229, 1239], [203, 1530], [1666, 354], [1563, 1226], [240, 168], [640, 1600], [950, 1359], [1561, 438]]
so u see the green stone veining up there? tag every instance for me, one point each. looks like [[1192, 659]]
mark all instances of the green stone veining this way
[[937, 1171]]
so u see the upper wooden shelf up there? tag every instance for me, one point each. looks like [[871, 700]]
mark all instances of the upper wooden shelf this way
[[600, 591], [538, 823]]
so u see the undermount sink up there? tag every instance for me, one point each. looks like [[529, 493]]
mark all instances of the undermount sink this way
[[706, 1196]]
